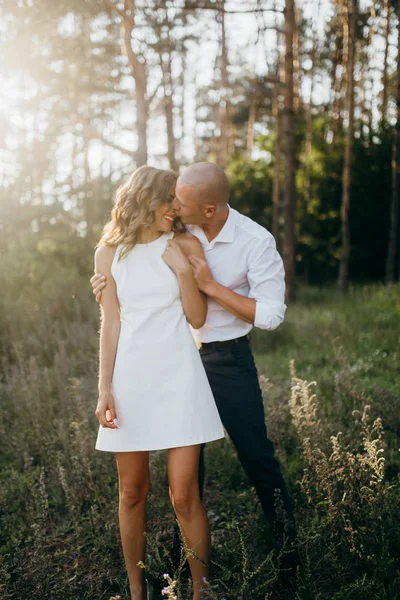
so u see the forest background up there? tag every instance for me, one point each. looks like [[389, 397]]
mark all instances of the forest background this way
[[300, 103]]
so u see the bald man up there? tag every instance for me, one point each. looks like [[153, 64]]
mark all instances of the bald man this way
[[243, 278]]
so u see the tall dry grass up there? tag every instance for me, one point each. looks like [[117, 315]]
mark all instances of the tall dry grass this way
[[337, 439]]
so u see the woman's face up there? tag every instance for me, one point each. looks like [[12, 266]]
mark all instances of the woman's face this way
[[165, 214]]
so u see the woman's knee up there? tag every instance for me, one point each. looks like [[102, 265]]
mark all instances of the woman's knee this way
[[186, 500], [132, 495]]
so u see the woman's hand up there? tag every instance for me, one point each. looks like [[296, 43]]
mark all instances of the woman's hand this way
[[176, 258], [105, 411]]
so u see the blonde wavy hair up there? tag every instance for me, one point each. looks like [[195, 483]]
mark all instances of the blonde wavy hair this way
[[135, 203]]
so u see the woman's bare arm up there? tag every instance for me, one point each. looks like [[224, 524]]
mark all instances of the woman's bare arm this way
[[194, 302], [109, 334]]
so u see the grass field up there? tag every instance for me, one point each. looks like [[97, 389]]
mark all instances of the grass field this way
[[339, 451]]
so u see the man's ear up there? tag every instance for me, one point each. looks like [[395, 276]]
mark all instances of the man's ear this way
[[210, 211]]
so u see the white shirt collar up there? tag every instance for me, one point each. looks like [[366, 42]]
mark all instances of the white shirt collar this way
[[226, 235]]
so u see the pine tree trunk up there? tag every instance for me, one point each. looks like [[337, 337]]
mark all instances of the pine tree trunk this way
[[385, 78], [139, 74], [309, 121], [394, 208], [276, 191], [196, 142], [349, 141], [182, 79], [250, 126], [335, 86], [223, 105], [289, 134], [297, 98], [166, 67], [363, 102], [141, 125], [169, 116], [370, 74]]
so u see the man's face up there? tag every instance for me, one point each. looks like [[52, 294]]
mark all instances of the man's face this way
[[186, 207]]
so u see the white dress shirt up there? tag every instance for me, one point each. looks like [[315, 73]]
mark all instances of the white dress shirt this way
[[243, 257]]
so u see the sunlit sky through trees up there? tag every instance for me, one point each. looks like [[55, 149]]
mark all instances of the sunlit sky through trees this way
[[250, 50]]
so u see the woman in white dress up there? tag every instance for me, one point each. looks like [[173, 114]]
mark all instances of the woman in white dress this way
[[153, 390]]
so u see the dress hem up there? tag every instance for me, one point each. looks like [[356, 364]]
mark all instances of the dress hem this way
[[163, 447]]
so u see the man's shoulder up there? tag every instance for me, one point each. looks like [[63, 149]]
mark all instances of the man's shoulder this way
[[250, 228]]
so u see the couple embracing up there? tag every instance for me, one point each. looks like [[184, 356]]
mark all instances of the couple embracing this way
[[173, 255]]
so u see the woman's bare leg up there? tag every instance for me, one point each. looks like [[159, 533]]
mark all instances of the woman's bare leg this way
[[134, 478], [184, 489]]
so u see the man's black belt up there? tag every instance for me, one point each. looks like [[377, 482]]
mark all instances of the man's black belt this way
[[245, 339]]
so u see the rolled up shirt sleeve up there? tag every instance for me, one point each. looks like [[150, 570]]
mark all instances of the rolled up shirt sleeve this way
[[266, 277]]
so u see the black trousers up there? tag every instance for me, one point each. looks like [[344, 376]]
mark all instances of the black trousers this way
[[233, 378]]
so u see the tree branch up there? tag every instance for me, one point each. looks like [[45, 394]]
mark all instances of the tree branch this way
[[153, 95], [91, 132], [194, 6], [112, 6]]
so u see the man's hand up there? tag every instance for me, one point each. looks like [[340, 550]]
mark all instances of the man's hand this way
[[176, 258], [202, 273], [98, 282]]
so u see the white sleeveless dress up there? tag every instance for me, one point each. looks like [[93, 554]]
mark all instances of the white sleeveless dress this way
[[163, 398]]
